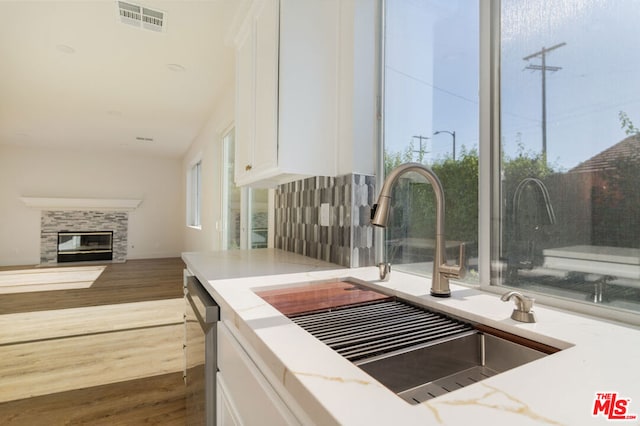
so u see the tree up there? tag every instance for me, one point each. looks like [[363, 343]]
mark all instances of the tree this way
[[460, 181], [627, 125], [413, 205], [394, 159]]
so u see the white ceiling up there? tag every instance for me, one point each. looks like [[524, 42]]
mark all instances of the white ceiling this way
[[115, 86]]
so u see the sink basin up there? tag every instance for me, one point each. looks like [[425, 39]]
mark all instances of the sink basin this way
[[417, 353], [420, 374]]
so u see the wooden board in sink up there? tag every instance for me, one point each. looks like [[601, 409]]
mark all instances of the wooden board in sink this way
[[320, 296]]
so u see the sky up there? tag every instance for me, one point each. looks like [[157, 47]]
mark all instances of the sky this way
[[431, 75]]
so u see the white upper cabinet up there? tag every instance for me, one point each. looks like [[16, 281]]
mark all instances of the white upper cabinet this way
[[257, 93], [287, 91]]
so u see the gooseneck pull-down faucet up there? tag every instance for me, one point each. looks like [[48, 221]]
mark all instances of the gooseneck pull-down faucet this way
[[442, 271]]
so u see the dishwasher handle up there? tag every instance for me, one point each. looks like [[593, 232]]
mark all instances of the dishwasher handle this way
[[203, 304]]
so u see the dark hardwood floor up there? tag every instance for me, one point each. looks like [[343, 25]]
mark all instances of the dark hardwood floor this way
[[133, 281], [158, 399]]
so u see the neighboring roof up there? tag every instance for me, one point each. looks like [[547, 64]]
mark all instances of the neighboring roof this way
[[628, 148]]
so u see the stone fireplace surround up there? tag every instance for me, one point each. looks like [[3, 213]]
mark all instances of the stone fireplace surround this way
[[54, 221], [82, 214]]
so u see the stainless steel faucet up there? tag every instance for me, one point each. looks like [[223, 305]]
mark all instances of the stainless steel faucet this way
[[524, 256], [542, 190], [442, 272]]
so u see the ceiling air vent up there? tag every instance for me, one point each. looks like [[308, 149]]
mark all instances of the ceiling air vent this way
[[141, 17]]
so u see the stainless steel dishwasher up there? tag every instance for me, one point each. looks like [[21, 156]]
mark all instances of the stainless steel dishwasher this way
[[201, 316]]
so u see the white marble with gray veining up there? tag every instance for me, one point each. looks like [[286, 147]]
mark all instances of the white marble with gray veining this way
[[597, 356]]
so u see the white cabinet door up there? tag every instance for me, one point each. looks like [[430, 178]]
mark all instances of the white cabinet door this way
[[265, 147], [309, 84], [257, 93], [287, 91], [226, 413], [245, 106], [248, 396]]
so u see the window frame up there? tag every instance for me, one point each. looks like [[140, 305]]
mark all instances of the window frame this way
[[194, 194], [228, 147]]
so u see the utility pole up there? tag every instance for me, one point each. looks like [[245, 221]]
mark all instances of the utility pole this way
[[453, 135], [422, 150], [543, 67]]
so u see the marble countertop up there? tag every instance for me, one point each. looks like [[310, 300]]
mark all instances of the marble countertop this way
[[597, 356], [216, 265]]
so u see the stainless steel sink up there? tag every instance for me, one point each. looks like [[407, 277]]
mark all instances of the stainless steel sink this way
[[418, 354], [418, 375]]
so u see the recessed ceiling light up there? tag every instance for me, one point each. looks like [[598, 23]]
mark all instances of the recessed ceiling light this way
[[65, 48], [176, 67]]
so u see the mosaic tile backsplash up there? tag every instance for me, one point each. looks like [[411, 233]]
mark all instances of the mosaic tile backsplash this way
[[348, 239]]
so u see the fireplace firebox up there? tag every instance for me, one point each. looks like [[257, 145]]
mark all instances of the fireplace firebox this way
[[85, 246]]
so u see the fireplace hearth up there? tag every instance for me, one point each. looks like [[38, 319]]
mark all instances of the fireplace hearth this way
[[76, 246]]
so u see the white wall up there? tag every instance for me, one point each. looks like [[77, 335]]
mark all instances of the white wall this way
[[207, 146], [155, 227]]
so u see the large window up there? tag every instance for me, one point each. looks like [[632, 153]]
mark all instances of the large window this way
[[554, 133], [431, 117], [568, 182]]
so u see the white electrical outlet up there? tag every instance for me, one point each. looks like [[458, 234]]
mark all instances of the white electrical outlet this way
[[324, 214]]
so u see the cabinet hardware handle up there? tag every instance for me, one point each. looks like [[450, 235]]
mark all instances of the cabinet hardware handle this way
[[247, 167]]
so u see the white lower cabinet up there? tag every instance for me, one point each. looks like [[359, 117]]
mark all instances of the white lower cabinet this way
[[245, 396], [226, 413]]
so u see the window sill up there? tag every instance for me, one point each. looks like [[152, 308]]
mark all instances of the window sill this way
[[198, 228], [602, 311]]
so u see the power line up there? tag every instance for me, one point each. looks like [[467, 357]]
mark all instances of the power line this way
[[455, 95], [448, 92]]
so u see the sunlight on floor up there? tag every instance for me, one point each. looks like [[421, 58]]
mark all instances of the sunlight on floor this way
[[49, 279]]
